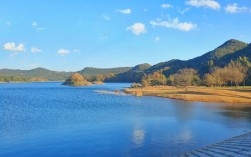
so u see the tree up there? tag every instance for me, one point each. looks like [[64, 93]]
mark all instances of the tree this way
[[155, 79], [209, 80], [170, 80], [236, 72], [245, 62], [186, 77]]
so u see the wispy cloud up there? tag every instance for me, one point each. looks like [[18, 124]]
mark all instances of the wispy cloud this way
[[166, 6], [35, 50], [63, 52], [183, 11], [34, 24], [37, 27], [103, 37], [41, 28], [234, 8], [157, 38], [205, 3], [125, 11], [137, 28], [11, 46], [106, 18], [175, 24], [76, 50]]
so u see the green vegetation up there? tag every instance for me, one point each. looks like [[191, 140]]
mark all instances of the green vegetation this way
[[221, 56], [35, 73], [89, 71], [21, 79], [135, 74]]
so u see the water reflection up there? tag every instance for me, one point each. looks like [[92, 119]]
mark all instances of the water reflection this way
[[185, 136], [234, 111], [183, 110], [138, 137]]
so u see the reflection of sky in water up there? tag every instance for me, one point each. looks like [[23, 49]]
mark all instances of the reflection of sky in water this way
[[185, 136], [138, 137]]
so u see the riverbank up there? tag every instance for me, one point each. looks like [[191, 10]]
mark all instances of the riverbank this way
[[196, 94]]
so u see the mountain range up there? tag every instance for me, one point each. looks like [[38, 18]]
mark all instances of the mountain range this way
[[221, 56]]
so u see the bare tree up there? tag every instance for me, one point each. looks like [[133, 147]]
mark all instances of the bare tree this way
[[237, 72], [185, 77]]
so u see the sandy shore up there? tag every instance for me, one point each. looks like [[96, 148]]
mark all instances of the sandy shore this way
[[197, 94]]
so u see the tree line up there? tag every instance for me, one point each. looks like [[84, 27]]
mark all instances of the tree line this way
[[21, 79], [234, 74]]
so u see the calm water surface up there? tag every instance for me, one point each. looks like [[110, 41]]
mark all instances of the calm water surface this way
[[47, 119]]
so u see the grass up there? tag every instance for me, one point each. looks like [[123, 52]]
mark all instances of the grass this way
[[198, 94]]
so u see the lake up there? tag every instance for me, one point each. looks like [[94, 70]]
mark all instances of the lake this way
[[47, 119]]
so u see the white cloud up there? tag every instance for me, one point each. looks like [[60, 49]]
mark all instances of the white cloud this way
[[166, 6], [174, 23], [35, 50], [234, 8], [205, 3], [11, 46], [34, 24], [137, 28], [106, 18], [41, 28], [125, 11], [63, 52], [157, 39], [145, 10]]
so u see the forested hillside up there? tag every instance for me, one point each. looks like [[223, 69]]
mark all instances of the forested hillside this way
[[103, 71], [35, 73]]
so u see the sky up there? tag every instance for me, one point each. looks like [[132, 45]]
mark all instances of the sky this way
[[67, 35]]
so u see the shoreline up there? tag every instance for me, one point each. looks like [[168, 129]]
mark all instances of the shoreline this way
[[196, 94]]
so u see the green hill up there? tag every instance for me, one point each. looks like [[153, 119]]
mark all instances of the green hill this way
[[35, 73], [231, 49], [90, 71], [133, 75]]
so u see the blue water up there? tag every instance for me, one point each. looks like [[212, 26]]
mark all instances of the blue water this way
[[47, 119]]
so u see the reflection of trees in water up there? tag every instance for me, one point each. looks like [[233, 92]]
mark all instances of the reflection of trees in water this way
[[236, 112], [183, 110]]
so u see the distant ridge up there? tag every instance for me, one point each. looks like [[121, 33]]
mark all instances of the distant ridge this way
[[103, 71], [37, 72], [221, 56], [216, 56]]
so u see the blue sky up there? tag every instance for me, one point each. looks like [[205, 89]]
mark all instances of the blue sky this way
[[70, 35]]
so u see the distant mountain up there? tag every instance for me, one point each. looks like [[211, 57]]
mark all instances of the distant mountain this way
[[231, 49], [245, 52], [90, 71], [38, 72], [221, 56], [133, 75]]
